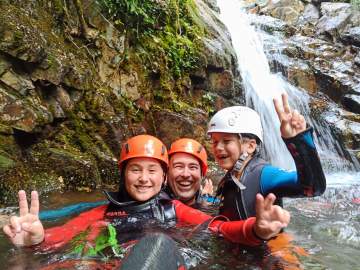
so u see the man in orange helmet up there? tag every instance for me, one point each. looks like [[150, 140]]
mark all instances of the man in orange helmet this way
[[187, 167]]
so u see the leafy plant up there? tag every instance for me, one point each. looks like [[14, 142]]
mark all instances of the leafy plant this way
[[131, 110], [163, 33], [208, 100]]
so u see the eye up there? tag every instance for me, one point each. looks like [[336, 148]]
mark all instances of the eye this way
[[135, 170], [213, 142], [194, 168]]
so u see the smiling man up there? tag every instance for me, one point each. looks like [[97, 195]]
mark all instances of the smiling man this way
[[187, 167]]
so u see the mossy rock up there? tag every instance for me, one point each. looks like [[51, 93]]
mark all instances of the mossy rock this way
[[6, 163]]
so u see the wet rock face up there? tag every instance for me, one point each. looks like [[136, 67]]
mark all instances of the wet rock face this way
[[311, 13], [351, 36], [286, 10], [321, 55], [70, 95], [335, 17], [352, 103], [357, 59]]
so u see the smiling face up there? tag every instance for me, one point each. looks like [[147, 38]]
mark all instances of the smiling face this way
[[226, 148], [184, 176], [143, 178]]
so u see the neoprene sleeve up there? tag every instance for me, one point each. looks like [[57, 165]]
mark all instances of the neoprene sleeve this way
[[308, 179], [310, 173], [235, 231]]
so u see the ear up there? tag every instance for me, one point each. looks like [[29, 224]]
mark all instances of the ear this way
[[251, 146]]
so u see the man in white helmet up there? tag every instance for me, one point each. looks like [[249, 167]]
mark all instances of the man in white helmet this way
[[236, 135]]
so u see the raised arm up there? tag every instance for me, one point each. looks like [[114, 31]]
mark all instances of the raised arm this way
[[26, 229], [310, 179]]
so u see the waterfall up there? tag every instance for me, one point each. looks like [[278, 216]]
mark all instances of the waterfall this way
[[261, 86]]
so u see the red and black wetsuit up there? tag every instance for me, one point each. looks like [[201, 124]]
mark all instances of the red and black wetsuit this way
[[94, 220]]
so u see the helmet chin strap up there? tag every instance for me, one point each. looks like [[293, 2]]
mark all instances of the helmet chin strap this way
[[240, 162], [238, 168]]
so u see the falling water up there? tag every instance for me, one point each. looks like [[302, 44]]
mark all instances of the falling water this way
[[261, 86], [331, 221]]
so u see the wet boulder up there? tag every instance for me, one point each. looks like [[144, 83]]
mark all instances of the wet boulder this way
[[222, 83], [352, 103], [17, 39], [311, 14], [21, 84], [344, 126], [217, 49], [171, 126], [335, 17], [351, 36], [286, 10], [273, 25], [357, 59], [26, 114]]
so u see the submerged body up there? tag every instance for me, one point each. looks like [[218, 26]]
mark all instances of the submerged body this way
[[131, 218]]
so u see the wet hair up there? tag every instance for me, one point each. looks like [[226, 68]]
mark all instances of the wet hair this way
[[251, 136]]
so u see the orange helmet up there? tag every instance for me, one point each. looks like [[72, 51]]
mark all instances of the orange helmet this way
[[191, 147], [144, 146]]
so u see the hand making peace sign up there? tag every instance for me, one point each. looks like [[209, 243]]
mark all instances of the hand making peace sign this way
[[270, 218], [291, 121], [26, 229]]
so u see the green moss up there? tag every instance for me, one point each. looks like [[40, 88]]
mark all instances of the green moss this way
[[355, 4], [6, 162], [58, 7], [165, 39], [5, 129]]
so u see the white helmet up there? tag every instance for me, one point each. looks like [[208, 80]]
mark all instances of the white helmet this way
[[236, 119]]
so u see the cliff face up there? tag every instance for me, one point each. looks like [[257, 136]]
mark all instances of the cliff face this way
[[76, 81], [79, 77]]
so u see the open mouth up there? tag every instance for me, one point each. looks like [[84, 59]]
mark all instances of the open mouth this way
[[184, 184], [222, 157], [142, 189]]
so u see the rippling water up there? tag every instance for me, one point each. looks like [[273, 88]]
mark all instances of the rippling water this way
[[325, 232]]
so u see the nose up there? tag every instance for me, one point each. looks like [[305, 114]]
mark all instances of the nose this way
[[218, 146], [144, 177], [185, 172]]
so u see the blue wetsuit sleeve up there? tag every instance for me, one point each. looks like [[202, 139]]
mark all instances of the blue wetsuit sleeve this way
[[210, 199], [69, 210], [279, 181], [310, 180]]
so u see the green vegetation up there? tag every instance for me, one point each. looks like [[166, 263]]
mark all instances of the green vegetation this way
[[163, 36], [164, 32], [6, 162], [207, 101], [106, 239], [129, 107], [355, 4]]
